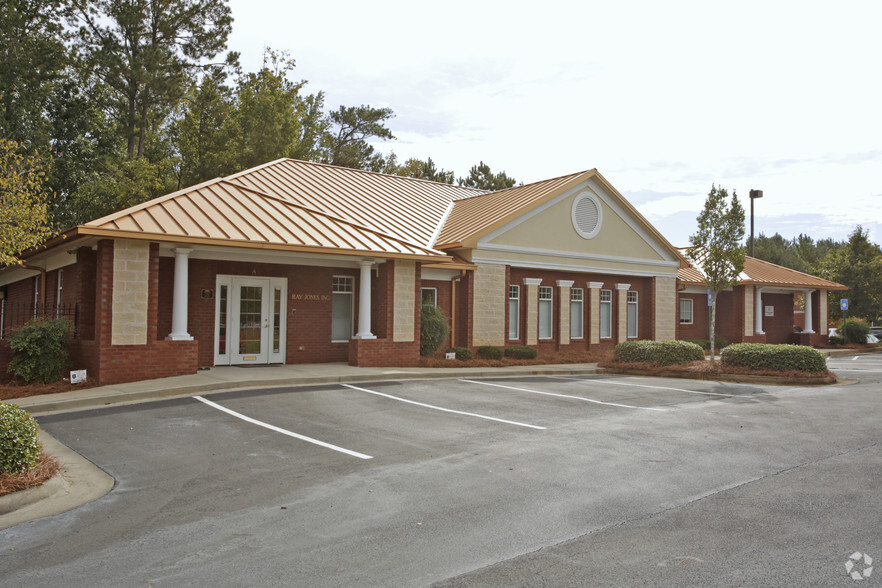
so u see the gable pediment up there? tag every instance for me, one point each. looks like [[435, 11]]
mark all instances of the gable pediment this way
[[585, 225]]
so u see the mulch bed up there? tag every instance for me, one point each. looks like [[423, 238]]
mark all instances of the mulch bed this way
[[545, 359], [39, 474], [11, 389], [708, 369]]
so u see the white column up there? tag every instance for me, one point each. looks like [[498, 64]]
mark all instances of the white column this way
[[179, 301], [364, 302], [758, 311], [809, 327]]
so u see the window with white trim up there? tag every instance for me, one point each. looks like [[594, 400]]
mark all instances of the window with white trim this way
[[632, 314], [577, 306], [58, 290], [686, 311], [605, 314], [546, 301], [36, 294], [429, 296], [341, 308], [514, 312]]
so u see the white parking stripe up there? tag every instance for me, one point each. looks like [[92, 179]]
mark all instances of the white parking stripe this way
[[644, 386], [480, 416], [282, 431], [565, 396]]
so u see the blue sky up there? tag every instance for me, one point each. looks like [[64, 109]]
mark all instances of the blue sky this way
[[664, 99]]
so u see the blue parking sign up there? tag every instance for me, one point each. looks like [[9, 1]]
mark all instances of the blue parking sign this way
[[843, 304]]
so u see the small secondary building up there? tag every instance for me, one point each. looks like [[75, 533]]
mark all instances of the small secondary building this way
[[770, 304], [298, 262]]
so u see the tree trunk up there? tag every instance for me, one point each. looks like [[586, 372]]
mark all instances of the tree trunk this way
[[713, 323]]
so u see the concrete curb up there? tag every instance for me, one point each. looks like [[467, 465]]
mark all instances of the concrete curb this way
[[78, 482], [97, 398]]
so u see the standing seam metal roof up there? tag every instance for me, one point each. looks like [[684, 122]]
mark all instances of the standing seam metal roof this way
[[763, 273], [223, 211], [408, 208]]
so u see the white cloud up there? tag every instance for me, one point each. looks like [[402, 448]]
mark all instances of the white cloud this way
[[663, 98]]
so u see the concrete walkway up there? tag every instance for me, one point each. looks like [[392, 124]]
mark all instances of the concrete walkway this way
[[234, 378]]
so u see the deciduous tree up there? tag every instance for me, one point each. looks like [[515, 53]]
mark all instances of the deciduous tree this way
[[24, 202], [716, 248]]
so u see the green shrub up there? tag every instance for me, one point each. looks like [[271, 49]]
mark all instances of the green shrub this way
[[760, 356], [856, 332], [489, 352], [19, 448], [40, 350], [837, 340], [521, 352], [462, 353], [658, 352], [433, 329], [719, 342]]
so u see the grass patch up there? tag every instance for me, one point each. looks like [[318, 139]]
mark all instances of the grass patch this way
[[36, 476]]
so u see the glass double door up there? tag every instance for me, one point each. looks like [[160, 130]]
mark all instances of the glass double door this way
[[250, 320]]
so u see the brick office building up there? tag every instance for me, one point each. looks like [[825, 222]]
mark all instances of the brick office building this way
[[297, 262]]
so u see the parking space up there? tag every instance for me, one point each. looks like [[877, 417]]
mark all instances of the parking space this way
[[387, 420], [867, 367], [250, 487]]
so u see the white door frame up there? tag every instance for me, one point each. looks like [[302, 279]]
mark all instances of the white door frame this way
[[273, 320]]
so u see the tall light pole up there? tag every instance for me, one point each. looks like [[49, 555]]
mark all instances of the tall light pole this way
[[754, 194]]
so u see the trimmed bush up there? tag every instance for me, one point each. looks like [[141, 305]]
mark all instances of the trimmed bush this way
[[462, 353], [761, 356], [489, 352], [19, 448], [521, 352], [658, 352], [40, 351], [856, 332], [433, 329], [837, 340]]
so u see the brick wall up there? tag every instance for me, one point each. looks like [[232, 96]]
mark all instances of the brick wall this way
[[308, 331], [591, 321]]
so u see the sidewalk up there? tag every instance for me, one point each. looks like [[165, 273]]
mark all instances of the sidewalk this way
[[224, 378]]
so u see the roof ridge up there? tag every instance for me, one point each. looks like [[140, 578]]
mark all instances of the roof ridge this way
[[347, 169], [549, 180]]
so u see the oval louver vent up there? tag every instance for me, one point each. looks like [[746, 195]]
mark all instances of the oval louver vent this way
[[587, 215]]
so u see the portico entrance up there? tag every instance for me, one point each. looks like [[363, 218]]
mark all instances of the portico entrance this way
[[250, 320]]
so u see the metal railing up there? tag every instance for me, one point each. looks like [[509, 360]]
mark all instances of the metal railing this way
[[15, 316]]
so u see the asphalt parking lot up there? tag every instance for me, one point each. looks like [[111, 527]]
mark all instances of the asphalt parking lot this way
[[509, 481]]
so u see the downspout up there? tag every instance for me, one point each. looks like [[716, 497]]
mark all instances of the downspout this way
[[42, 271], [453, 282]]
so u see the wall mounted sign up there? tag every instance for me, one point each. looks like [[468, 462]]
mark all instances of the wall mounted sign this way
[[312, 297], [770, 311]]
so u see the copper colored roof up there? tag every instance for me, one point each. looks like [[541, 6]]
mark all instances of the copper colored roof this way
[[477, 215], [223, 211], [472, 218], [762, 273], [405, 207]]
